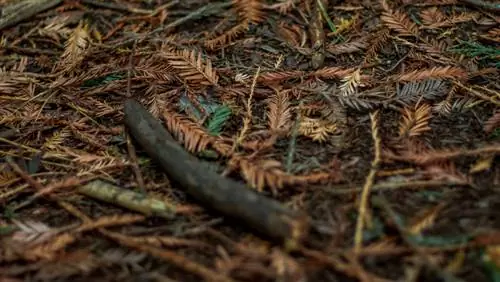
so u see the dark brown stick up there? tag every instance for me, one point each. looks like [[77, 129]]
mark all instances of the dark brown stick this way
[[117, 7], [22, 10], [483, 5], [202, 182]]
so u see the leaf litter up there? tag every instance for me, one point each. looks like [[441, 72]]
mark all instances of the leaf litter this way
[[378, 120]]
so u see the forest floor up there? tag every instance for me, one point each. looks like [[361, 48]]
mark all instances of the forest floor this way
[[379, 121]]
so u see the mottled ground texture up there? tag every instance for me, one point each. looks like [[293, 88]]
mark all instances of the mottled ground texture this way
[[373, 127]]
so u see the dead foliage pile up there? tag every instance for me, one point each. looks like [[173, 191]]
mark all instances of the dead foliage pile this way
[[377, 119]]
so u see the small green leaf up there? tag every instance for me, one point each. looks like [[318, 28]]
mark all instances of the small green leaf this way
[[218, 119]]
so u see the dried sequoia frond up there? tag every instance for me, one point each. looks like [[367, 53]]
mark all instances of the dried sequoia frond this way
[[66, 265], [428, 89], [294, 35], [376, 43], [57, 138], [56, 28], [334, 112], [33, 232], [399, 22], [275, 77], [357, 103], [191, 67], [10, 84], [249, 10], [444, 170], [283, 6], [261, 140], [34, 250], [492, 123], [153, 69], [279, 114], [268, 173], [322, 122], [194, 137], [332, 72], [350, 83], [437, 156], [227, 36], [415, 121], [443, 108], [190, 134], [463, 104], [347, 47], [74, 48], [6, 178], [447, 72], [433, 18], [432, 15], [494, 32], [435, 47], [317, 129]]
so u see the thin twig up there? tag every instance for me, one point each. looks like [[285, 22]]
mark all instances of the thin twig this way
[[476, 93], [449, 154], [248, 117], [358, 237], [387, 186], [135, 165]]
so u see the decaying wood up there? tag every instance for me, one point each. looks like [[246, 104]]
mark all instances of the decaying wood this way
[[22, 10], [317, 35], [107, 192], [202, 182]]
